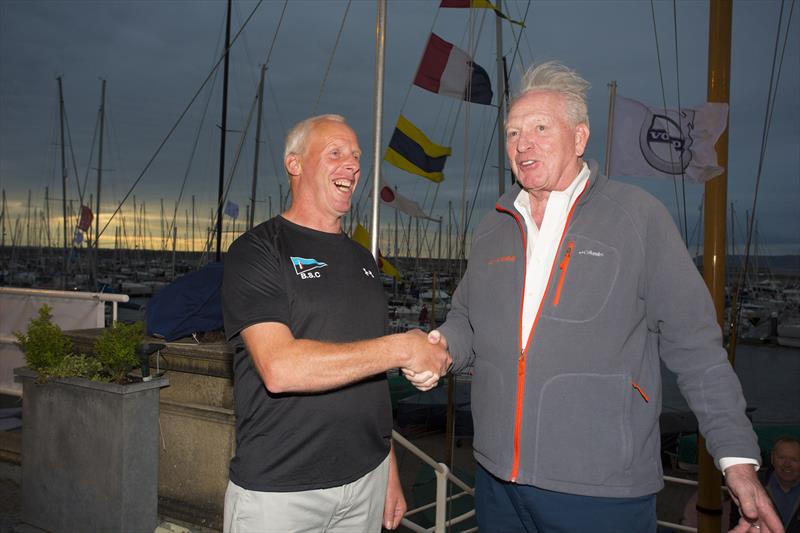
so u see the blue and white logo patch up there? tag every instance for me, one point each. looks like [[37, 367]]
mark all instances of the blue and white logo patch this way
[[303, 267]]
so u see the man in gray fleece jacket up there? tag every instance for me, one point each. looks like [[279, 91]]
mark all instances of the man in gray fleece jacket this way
[[576, 287]]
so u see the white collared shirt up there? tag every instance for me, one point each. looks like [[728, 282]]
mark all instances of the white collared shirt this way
[[543, 243]]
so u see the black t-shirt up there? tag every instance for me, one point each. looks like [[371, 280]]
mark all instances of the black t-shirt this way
[[325, 287]]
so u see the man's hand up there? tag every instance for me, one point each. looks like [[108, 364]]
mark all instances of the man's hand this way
[[428, 379], [394, 506], [758, 515]]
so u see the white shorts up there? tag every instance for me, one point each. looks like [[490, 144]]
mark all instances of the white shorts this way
[[356, 507]]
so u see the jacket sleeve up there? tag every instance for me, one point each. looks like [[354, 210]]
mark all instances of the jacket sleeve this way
[[457, 329], [679, 308]]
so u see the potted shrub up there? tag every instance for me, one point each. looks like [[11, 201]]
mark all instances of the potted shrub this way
[[90, 432]]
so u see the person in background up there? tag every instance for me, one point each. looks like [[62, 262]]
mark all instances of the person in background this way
[[304, 309], [782, 482], [577, 287]]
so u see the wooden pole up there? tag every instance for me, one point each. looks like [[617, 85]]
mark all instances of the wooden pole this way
[[709, 508]]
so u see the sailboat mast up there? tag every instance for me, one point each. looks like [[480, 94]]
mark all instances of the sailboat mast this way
[[99, 179], [501, 133], [251, 214], [3, 217], [719, 68], [224, 126], [63, 177]]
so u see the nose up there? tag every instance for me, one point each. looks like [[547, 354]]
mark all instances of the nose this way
[[524, 141], [352, 164]]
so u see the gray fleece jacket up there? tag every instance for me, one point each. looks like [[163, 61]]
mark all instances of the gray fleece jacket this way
[[576, 409]]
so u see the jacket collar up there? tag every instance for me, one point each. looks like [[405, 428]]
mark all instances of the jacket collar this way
[[596, 182]]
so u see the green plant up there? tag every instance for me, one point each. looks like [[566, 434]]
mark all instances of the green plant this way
[[44, 344], [50, 353], [116, 349], [78, 365]]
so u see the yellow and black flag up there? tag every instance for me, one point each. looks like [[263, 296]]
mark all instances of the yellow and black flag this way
[[480, 4], [412, 151]]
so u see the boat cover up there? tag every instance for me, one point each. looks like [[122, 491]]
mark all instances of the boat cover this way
[[192, 303]]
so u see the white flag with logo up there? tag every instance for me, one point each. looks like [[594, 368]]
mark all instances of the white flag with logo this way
[[666, 143]]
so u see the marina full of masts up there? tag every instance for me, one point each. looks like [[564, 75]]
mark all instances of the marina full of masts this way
[[769, 299]]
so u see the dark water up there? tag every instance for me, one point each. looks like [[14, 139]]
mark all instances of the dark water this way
[[770, 377]]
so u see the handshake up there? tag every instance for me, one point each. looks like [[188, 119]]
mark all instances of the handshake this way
[[428, 359]]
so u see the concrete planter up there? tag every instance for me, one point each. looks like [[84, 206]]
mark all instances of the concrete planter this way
[[89, 454]]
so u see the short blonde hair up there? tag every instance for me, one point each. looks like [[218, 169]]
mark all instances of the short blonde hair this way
[[557, 77]]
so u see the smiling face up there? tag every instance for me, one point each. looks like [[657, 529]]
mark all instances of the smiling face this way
[[324, 176], [542, 144], [786, 462]]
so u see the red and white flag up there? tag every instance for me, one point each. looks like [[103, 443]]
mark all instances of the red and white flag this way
[[446, 69], [411, 208]]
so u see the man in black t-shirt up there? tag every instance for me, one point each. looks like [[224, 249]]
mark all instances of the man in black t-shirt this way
[[305, 311]]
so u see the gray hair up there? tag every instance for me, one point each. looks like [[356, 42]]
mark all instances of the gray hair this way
[[557, 77], [298, 136]]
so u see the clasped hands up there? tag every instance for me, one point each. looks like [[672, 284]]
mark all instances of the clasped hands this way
[[430, 359]]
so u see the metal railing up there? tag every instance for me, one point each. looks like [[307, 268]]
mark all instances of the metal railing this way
[[70, 295], [443, 475], [20, 304]]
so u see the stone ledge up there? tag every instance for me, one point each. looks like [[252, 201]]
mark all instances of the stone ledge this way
[[219, 415]]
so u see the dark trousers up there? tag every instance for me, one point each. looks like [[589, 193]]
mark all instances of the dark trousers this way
[[504, 507]]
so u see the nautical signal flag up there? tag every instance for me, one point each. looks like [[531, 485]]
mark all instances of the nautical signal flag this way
[[446, 69], [86, 218], [411, 208], [412, 151], [666, 142], [231, 209], [361, 236], [479, 4]]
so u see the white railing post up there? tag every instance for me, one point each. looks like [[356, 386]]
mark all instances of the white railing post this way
[[441, 497]]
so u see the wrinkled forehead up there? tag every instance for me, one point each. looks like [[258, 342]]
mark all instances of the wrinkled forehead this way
[[326, 131], [538, 102]]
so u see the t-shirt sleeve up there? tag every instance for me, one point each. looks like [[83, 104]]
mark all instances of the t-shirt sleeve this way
[[253, 289]]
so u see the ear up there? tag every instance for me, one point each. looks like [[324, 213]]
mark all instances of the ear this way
[[292, 164], [581, 138]]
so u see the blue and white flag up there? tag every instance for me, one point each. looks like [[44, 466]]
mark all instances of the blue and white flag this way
[[232, 209], [667, 143]]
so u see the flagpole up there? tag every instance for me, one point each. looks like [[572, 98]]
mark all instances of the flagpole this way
[[612, 97], [380, 51]]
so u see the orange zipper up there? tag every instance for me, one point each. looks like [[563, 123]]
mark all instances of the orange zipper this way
[[563, 266], [522, 358], [639, 389], [524, 348]]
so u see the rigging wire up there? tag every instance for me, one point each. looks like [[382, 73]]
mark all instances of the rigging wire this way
[[91, 153], [664, 102], [494, 129], [680, 117], [771, 96], [330, 58], [179, 119], [273, 159], [195, 143], [234, 166]]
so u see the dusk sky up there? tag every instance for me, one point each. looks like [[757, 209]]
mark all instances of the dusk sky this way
[[155, 55]]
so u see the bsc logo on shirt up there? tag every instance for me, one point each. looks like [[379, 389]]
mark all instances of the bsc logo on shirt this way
[[307, 268]]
